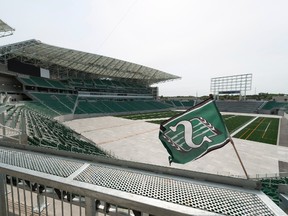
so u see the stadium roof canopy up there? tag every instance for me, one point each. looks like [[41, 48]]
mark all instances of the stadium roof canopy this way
[[67, 63], [5, 30]]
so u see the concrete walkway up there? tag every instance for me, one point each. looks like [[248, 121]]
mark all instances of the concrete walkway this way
[[138, 141], [283, 135]]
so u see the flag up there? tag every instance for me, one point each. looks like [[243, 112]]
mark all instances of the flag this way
[[192, 134]]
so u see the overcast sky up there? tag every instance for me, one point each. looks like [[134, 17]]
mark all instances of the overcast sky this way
[[196, 40]]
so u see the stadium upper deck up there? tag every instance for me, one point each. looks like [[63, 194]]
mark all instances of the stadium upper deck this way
[[67, 63]]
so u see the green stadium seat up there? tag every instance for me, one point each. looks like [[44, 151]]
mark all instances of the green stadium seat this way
[[48, 133]]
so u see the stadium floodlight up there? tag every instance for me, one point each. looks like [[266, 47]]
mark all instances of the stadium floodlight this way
[[5, 30], [236, 84]]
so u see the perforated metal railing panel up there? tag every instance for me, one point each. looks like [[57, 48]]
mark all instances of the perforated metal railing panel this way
[[37, 162], [185, 192], [209, 198]]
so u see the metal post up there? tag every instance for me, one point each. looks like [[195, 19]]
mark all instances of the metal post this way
[[23, 123], [3, 205], [23, 138], [90, 209], [41, 204], [232, 142], [2, 121]]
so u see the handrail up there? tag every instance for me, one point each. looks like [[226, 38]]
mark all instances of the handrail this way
[[222, 179], [136, 189], [10, 133]]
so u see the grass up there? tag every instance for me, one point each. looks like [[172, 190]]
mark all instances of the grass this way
[[156, 121], [233, 122], [263, 130], [154, 115]]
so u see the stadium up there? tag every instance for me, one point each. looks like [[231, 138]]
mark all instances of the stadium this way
[[79, 136]]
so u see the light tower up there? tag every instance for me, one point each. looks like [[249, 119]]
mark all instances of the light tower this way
[[236, 84]]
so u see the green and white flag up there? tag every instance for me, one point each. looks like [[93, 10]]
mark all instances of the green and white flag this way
[[194, 133]]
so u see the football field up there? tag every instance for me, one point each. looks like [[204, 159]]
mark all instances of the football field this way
[[263, 130], [233, 122], [248, 127]]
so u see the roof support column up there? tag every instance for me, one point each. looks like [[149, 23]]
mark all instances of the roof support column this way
[[3, 204], [2, 121], [90, 208]]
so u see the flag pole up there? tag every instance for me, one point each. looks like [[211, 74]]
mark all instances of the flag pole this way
[[232, 142]]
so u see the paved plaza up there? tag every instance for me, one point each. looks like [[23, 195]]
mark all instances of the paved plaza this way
[[137, 140]]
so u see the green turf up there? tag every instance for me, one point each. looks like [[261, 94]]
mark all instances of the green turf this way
[[153, 115], [261, 130], [156, 121], [233, 122]]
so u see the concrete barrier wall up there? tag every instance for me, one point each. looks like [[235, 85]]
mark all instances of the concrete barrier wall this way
[[70, 117], [285, 115]]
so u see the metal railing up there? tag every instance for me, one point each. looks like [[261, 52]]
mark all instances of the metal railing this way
[[10, 134], [269, 175], [27, 198], [63, 183], [34, 193]]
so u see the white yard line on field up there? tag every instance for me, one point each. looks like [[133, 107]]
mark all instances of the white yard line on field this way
[[266, 129]]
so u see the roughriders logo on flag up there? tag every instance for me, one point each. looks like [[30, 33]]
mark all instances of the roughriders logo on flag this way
[[194, 133]]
